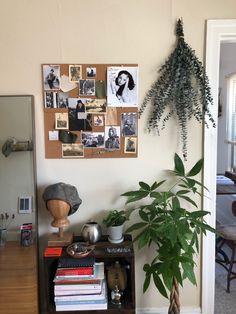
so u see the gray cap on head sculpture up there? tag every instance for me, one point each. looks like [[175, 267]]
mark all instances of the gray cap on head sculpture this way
[[64, 192]]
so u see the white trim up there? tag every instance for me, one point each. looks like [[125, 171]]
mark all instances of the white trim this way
[[164, 310], [217, 31]]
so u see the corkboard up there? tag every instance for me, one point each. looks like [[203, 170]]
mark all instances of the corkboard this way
[[112, 117]]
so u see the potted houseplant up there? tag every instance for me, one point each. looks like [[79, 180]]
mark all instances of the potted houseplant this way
[[169, 227], [114, 221]]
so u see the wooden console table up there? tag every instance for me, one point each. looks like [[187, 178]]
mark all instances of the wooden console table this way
[[19, 279]]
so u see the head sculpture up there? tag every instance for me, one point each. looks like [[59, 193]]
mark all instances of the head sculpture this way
[[62, 200], [64, 192]]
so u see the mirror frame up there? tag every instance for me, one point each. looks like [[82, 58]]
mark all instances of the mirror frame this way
[[218, 31]]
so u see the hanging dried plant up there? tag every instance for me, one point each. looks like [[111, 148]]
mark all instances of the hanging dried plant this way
[[183, 87]]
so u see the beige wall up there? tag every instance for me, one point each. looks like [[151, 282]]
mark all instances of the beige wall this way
[[104, 31]]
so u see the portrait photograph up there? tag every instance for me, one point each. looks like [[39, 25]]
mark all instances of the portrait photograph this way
[[72, 150], [112, 137], [79, 120], [122, 86], [51, 77], [75, 73], [62, 100], [50, 99], [61, 121], [93, 139], [130, 145], [91, 71], [96, 105], [87, 87], [98, 120], [129, 124]]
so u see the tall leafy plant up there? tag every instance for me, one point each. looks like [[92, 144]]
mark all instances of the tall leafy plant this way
[[167, 222], [181, 90]]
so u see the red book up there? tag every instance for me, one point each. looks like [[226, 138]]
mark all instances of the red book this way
[[52, 251], [75, 271]]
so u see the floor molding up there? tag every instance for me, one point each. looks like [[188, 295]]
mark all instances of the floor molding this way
[[164, 310]]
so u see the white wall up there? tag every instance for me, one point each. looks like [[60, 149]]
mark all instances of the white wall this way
[[105, 31]]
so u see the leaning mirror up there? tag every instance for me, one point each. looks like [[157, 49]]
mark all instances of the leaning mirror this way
[[18, 221]]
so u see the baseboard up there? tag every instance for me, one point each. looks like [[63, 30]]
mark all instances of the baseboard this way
[[164, 310]]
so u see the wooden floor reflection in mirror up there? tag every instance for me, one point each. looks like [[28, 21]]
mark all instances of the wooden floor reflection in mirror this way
[[18, 255]]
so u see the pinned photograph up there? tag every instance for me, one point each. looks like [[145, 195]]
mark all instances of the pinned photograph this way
[[78, 118], [50, 99], [96, 105], [62, 100], [75, 73], [130, 145], [61, 121], [51, 77], [93, 139], [112, 137], [129, 124], [72, 150], [98, 120], [91, 71], [122, 86], [87, 87]]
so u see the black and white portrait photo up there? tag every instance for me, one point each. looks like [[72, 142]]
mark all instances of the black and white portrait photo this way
[[87, 87], [129, 124], [98, 120], [112, 137], [122, 86], [79, 119], [91, 71], [75, 73], [130, 145], [93, 139], [51, 77], [62, 100]]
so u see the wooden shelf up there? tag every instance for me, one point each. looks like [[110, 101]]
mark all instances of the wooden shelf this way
[[102, 252]]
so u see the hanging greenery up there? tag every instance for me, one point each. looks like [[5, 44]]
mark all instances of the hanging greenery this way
[[183, 87]]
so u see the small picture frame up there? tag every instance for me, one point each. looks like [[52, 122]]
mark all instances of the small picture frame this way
[[130, 145], [75, 73], [87, 87], [72, 150], [61, 121], [51, 77]]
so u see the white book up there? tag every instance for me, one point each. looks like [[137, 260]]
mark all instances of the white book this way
[[77, 307]]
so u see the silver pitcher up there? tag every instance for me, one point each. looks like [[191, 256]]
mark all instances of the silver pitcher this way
[[91, 232]]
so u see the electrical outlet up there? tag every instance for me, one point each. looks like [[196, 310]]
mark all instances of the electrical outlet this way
[[25, 204]]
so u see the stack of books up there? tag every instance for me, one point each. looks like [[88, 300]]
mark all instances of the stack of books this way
[[79, 284]]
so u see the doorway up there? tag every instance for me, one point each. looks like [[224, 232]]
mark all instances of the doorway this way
[[218, 31]]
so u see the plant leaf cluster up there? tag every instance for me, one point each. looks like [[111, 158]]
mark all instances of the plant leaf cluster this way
[[182, 87], [165, 222], [115, 218]]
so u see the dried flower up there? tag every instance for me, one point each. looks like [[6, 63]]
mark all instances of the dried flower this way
[[5, 220]]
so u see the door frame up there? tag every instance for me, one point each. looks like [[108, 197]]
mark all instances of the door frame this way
[[217, 32]]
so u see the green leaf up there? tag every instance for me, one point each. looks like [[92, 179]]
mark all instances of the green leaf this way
[[175, 203], [199, 213], [179, 166], [143, 215], [196, 169], [138, 196], [188, 199], [136, 226], [146, 282], [189, 272], [156, 185], [159, 284], [144, 186]]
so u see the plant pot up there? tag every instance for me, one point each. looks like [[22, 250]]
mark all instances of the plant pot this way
[[115, 234]]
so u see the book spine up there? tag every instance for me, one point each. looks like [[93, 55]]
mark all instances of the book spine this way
[[77, 287], [74, 271], [77, 307], [103, 301], [76, 281]]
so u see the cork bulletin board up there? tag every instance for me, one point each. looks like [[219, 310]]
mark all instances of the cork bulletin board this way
[[90, 110]]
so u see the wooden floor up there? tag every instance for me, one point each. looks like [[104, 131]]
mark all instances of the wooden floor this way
[[18, 279]]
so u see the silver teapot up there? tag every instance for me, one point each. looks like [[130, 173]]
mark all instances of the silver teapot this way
[[91, 232]]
